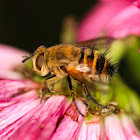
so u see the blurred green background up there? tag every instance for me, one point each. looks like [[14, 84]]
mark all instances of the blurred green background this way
[[28, 24]]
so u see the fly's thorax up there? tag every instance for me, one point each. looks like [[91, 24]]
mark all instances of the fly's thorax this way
[[39, 61], [63, 54]]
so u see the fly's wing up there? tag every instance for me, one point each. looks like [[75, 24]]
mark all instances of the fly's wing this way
[[82, 75], [97, 43]]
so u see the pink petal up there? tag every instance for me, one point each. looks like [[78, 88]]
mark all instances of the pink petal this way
[[68, 128], [117, 0], [98, 18], [9, 58], [131, 132], [90, 131], [137, 3], [9, 74], [125, 23], [19, 108], [43, 122], [9, 88], [12, 128], [114, 129]]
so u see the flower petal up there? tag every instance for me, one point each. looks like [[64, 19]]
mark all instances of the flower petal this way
[[131, 132], [137, 3], [90, 131], [9, 88], [68, 128], [43, 122], [9, 59], [125, 23], [114, 129], [11, 114], [96, 20], [117, 0], [8, 131]]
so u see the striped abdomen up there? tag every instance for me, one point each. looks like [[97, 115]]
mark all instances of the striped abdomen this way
[[93, 65]]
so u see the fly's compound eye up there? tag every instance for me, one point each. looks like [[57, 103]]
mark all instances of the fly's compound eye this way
[[39, 61], [40, 64]]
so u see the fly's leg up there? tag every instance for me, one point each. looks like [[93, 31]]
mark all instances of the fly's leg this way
[[47, 90], [45, 82], [43, 96], [51, 80], [55, 78], [89, 96], [72, 94]]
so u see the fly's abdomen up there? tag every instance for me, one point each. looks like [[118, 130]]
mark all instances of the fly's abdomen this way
[[95, 66]]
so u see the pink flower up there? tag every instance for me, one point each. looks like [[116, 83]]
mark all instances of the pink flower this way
[[10, 59], [113, 129], [122, 126], [23, 117], [118, 0], [110, 18], [137, 3]]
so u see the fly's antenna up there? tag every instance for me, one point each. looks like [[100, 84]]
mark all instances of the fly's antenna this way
[[27, 58]]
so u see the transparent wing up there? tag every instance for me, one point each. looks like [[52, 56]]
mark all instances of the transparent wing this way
[[97, 43], [93, 84]]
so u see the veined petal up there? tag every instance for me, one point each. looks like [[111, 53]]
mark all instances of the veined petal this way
[[23, 105], [15, 115], [114, 129], [8, 131], [91, 130], [130, 130], [43, 122], [68, 128], [9, 88]]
